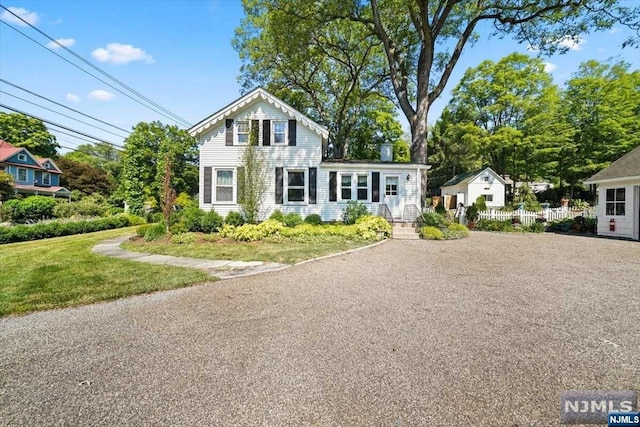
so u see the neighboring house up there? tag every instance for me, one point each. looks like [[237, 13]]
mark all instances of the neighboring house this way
[[300, 178], [32, 176], [467, 187], [618, 209], [536, 187]]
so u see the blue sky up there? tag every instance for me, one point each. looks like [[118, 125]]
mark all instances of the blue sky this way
[[179, 54]]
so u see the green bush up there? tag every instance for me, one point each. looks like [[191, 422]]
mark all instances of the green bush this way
[[178, 228], [536, 227], [495, 225], [131, 219], [155, 231], [440, 207], [248, 233], [277, 215], [481, 203], [191, 217], [270, 227], [142, 230], [455, 231], [114, 210], [234, 218], [210, 222], [32, 208], [370, 227], [183, 238], [227, 231], [431, 233], [292, 219], [472, 213], [313, 219], [354, 210], [21, 233], [431, 219]]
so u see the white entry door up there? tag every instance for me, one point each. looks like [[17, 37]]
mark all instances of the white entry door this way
[[392, 194]]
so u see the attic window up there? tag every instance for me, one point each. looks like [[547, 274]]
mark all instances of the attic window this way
[[47, 165], [22, 157], [486, 178]]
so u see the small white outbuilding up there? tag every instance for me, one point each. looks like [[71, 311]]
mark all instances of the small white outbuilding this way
[[467, 187]]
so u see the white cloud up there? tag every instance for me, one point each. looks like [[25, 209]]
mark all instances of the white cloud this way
[[117, 53], [100, 95], [30, 17], [63, 42], [549, 67], [571, 43], [72, 97]]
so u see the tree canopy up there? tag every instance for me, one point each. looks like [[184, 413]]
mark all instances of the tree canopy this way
[[84, 177], [28, 132]]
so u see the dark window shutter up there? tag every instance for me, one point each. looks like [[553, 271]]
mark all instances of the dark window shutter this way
[[333, 183], [279, 185], [266, 132], [313, 178], [240, 184], [375, 186], [207, 184], [255, 124], [292, 132], [229, 132]]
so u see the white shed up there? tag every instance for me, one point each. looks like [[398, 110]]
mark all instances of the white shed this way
[[467, 187]]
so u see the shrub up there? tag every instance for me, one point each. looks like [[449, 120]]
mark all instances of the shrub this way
[[431, 233], [210, 222], [247, 233], [481, 203], [32, 208], [191, 217], [270, 227], [155, 231], [314, 219], [130, 218], [353, 211], [142, 230], [277, 215], [431, 219], [178, 228], [369, 227], [495, 225], [227, 231], [183, 238], [455, 231], [292, 219], [114, 210], [440, 207], [536, 227], [234, 218], [472, 213]]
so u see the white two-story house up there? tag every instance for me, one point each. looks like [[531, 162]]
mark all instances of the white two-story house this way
[[300, 176]]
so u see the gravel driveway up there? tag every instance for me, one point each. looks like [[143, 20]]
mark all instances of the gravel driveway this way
[[483, 331]]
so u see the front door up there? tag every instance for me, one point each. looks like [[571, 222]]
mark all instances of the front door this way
[[392, 194]]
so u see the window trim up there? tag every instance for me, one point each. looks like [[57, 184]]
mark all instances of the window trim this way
[[214, 187], [368, 187], [341, 187], [615, 202], [46, 178], [26, 175], [273, 132], [305, 186], [22, 157], [237, 131], [486, 197]]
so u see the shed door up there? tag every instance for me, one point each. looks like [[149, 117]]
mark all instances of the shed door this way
[[392, 194]]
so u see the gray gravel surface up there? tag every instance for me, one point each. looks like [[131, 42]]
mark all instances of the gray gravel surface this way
[[487, 330]]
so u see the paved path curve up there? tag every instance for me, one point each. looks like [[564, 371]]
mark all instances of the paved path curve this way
[[484, 331]]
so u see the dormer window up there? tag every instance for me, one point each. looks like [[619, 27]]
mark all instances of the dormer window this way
[[47, 165], [22, 157], [242, 131]]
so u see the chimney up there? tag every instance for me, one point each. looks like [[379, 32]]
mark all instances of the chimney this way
[[386, 152]]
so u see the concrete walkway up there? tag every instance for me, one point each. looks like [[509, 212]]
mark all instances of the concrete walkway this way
[[224, 269]]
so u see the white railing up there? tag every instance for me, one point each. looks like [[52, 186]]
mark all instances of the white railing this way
[[528, 217]]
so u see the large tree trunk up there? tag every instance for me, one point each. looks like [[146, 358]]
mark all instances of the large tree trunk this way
[[418, 125]]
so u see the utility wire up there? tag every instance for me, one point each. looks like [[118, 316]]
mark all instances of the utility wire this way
[[64, 115], [59, 125], [80, 138], [179, 121], [62, 105]]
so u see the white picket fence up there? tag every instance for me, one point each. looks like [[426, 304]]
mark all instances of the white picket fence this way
[[528, 217]]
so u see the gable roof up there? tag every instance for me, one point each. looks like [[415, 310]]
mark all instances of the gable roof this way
[[249, 99], [627, 166], [54, 168], [465, 178], [7, 150]]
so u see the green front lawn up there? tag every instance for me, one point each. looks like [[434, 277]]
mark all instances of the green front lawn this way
[[282, 250], [63, 272]]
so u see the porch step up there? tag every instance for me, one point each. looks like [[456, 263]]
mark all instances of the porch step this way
[[405, 231]]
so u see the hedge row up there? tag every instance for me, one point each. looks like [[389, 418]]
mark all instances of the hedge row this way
[[23, 233]]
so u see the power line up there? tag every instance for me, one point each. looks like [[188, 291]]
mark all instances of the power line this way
[[59, 125], [64, 115], [62, 105], [179, 121]]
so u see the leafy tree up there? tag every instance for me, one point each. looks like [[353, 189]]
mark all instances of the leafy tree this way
[[101, 155], [602, 103], [143, 163], [253, 179], [28, 132], [6, 186], [376, 127], [84, 177], [334, 72]]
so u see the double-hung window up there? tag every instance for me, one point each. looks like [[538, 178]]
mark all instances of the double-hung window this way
[[22, 175], [242, 131], [46, 178], [363, 187], [295, 186], [345, 187], [224, 185], [279, 132], [615, 201], [488, 197]]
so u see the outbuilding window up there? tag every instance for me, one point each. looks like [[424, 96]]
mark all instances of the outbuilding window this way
[[615, 201]]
